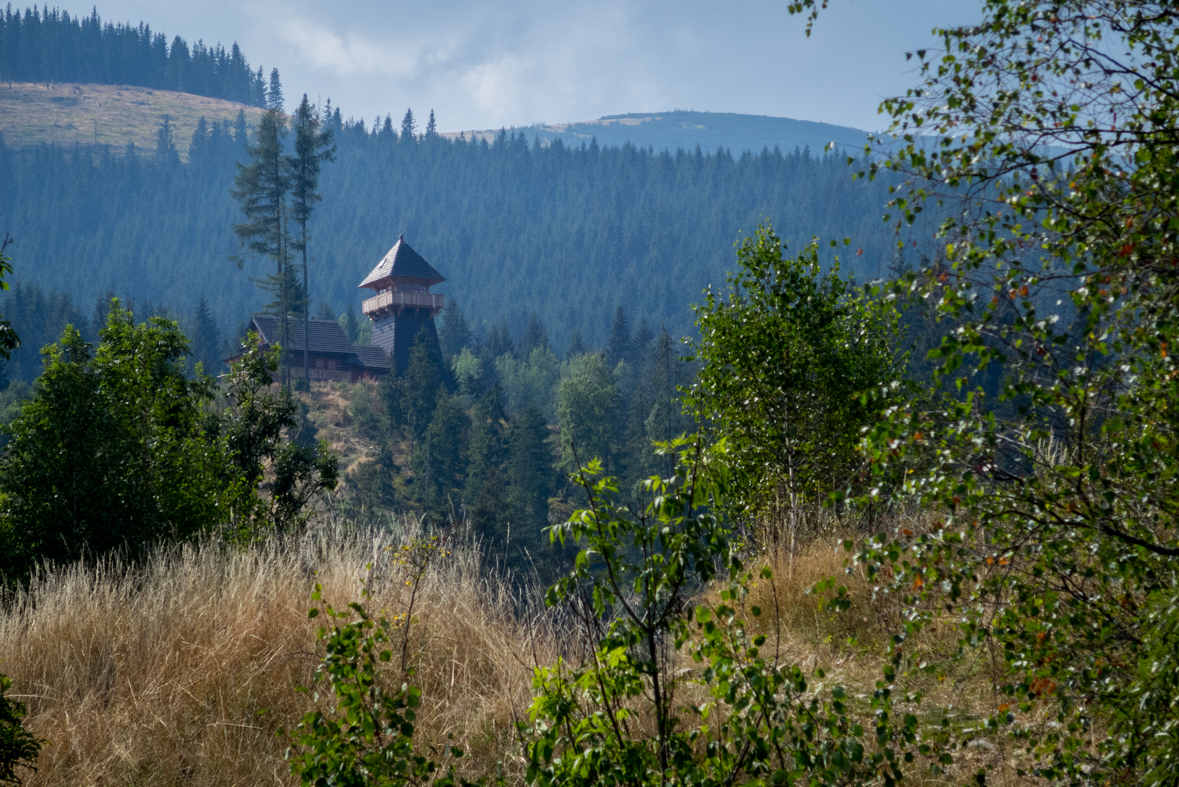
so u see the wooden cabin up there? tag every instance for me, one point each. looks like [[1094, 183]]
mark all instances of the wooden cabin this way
[[331, 355]]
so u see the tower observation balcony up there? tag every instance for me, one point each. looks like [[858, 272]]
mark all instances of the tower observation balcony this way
[[395, 302]]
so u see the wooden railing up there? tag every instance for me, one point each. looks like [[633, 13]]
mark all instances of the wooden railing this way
[[413, 300]]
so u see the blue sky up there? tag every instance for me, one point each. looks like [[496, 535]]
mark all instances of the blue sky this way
[[516, 62]]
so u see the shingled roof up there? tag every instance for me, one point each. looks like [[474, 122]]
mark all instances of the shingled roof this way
[[323, 336], [402, 262]]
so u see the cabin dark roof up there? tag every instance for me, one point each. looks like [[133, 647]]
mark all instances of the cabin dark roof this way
[[402, 262], [325, 337]]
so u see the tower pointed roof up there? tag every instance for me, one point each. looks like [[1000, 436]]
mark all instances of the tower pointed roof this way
[[402, 262]]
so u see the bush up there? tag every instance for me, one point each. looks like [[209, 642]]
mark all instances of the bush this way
[[18, 747]]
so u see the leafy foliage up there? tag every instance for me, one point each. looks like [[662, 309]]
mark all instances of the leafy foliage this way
[[18, 746], [118, 448], [366, 736], [1049, 125], [741, 715], [786, 356]]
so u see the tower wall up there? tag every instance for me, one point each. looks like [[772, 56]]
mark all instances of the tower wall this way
[[396, 334]]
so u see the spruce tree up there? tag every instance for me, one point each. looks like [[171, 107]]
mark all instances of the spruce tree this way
[[534, 336], [642, 345], [422, 383], [499, 340], [274, 98], [455, 333], [487, 511], [619, 348], [166, 154], [487, 452], [198, 149], [350, 324], [205, 344], [576, 346], [439, 461], [530, 471], [262, 187], [408, 127], [312, 148], [431, 127]]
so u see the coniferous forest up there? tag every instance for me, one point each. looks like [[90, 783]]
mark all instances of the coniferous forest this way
[[516, 228], [51, 46]]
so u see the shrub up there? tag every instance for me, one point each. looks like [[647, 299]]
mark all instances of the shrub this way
[[18, 747]]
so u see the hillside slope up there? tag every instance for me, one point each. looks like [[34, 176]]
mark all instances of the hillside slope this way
[[116, 115], [709, 130]]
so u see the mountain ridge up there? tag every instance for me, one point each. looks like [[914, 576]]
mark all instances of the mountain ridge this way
[[686, 129]]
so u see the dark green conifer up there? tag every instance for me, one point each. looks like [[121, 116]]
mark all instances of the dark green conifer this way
[[456, 331], [619, 347], [576, 345], [487, 443], [262, 188], [205, 344], [166, 154], [530, 470], [534, 336], [313, 147], [423, 380], [408, 127], [198, 149], [439, 460], [350, 324], [274, 99]]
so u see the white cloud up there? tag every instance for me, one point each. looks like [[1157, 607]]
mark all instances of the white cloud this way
[[483, 65]]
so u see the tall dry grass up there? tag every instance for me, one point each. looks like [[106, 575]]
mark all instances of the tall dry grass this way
[[181, 670]]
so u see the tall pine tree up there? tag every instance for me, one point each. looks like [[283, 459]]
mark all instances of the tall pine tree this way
[[262, 187], [274, 98], [312, 148], [205, 344], [409, 127]]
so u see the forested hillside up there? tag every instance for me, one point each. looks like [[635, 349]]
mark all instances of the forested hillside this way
[[710, 130], [515, 227], [51, 46]]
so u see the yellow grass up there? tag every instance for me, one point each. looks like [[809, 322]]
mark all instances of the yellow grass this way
[[180, 671], [115, 115]]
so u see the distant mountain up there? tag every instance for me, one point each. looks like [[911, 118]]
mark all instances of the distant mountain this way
[[709, 130]]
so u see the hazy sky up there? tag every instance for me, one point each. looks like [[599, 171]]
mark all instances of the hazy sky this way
[[515, 62]]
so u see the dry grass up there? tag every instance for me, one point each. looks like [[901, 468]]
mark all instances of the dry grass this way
[[328, 408], [115, 115], [850, 647], [182, 671]]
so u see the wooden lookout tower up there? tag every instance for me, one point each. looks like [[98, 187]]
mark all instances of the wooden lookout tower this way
[[403, 305]]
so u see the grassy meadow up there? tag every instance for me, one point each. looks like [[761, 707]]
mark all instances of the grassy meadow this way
[[115, 115]]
